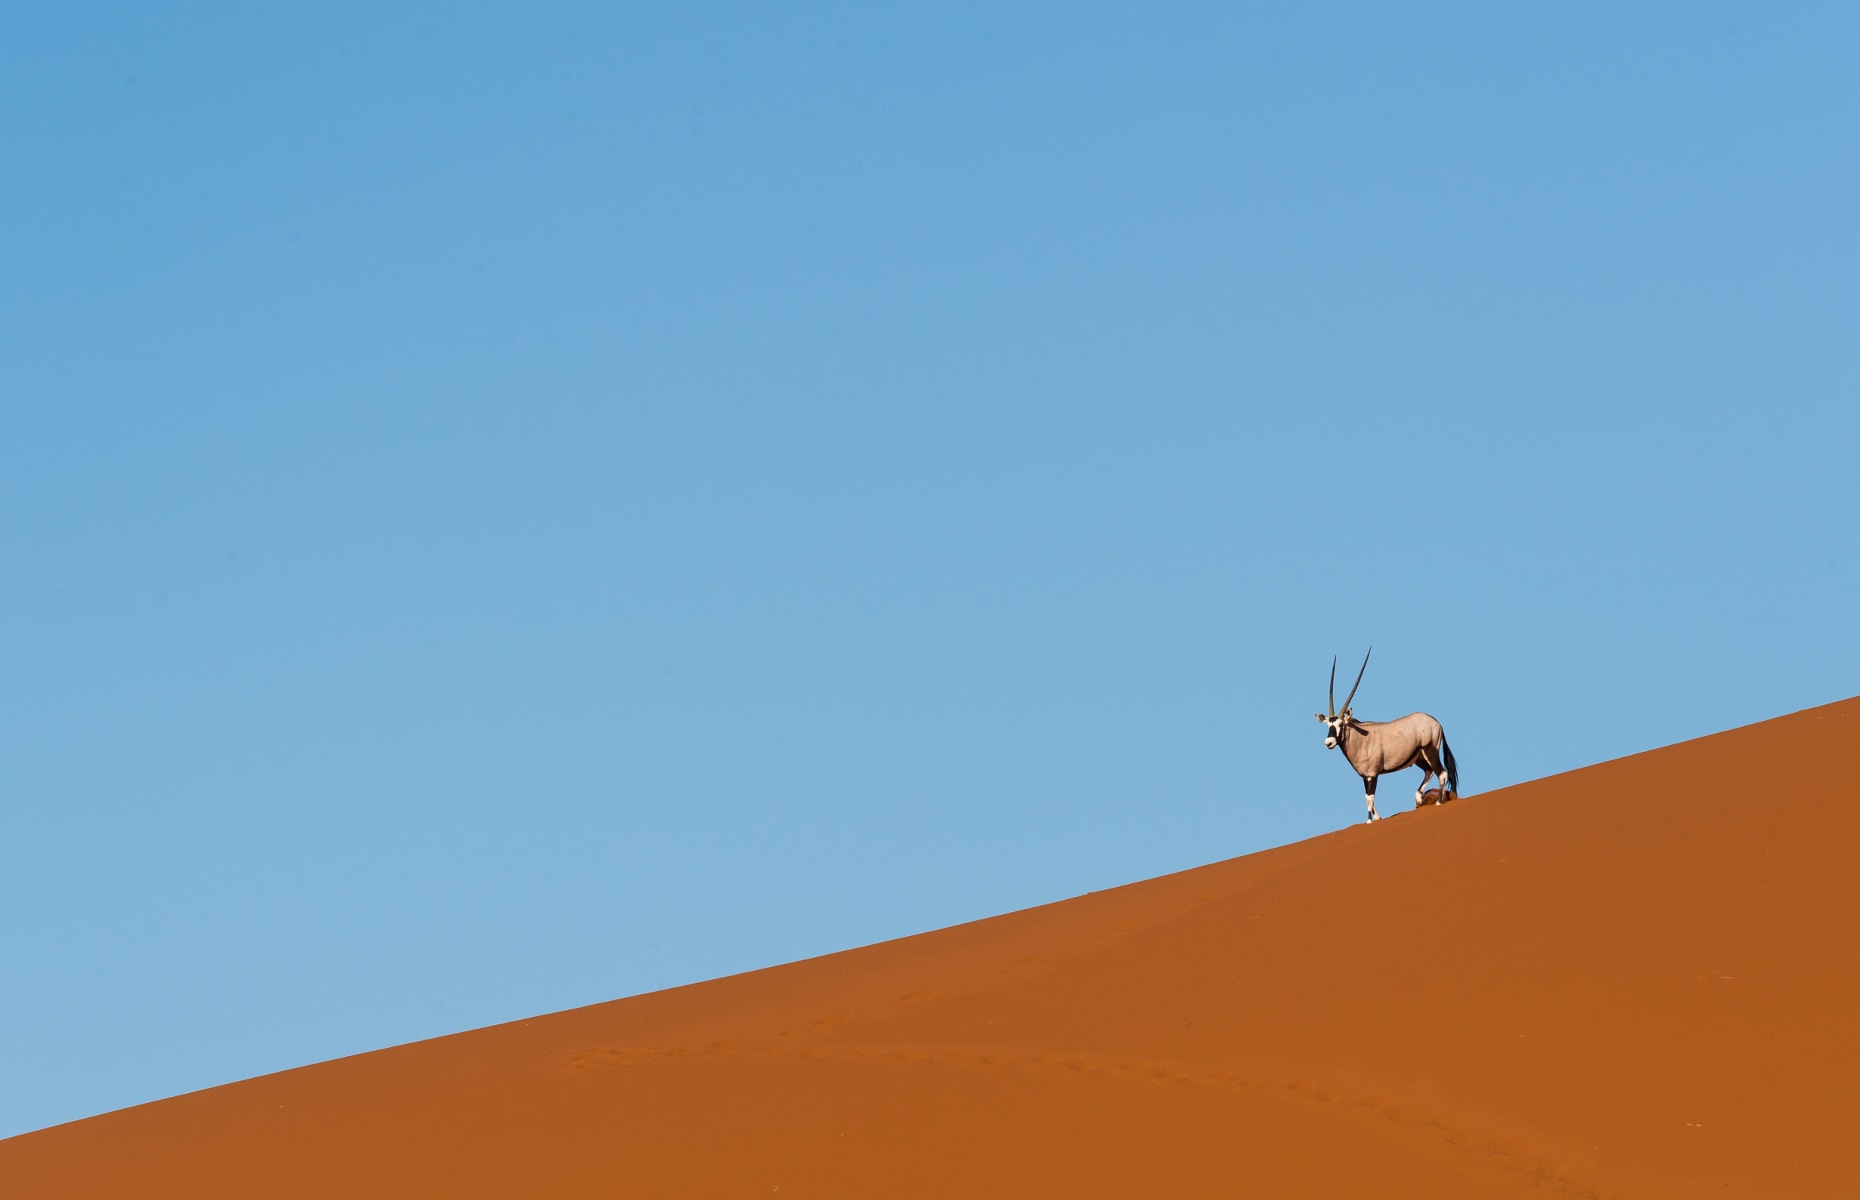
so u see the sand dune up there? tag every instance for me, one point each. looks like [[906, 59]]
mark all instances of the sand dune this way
[[1639, 979]]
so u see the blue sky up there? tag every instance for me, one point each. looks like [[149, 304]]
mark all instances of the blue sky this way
[[505, 507]]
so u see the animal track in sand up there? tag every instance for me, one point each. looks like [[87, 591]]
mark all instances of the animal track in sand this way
[[620, 1056], [817, 1025], [1509, 1153]]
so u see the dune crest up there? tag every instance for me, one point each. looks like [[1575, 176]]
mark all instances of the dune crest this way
[[1634, 980]]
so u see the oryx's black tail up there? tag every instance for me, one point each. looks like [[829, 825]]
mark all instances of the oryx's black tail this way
[[1453, 768]]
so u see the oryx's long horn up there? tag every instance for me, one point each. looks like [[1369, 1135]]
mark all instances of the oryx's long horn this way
[[1333, 685], [1359, 679]]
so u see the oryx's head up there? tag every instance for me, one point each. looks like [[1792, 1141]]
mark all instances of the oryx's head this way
[[1337, 721]]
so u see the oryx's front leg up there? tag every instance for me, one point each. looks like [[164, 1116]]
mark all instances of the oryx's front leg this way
[[1369, 797]]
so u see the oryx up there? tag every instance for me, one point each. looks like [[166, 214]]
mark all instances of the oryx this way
[[1377, 748]]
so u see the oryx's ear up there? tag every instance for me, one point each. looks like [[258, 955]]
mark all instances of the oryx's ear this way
[[1323, 718]]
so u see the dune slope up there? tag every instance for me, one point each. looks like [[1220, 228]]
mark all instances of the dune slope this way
[[1638, 979]]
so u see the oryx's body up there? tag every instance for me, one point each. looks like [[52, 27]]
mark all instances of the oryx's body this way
[[1377, 748]]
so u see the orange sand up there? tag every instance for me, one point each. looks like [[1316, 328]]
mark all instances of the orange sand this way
[[1640, 979]]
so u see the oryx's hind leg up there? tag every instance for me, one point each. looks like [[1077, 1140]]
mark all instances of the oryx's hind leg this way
[[1439, 752], [1432, 767], [1369, 797]]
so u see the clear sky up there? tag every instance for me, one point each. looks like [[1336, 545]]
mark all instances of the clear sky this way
[[508, 506]]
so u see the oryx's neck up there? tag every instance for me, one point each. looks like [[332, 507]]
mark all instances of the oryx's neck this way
[[1354, 742]]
